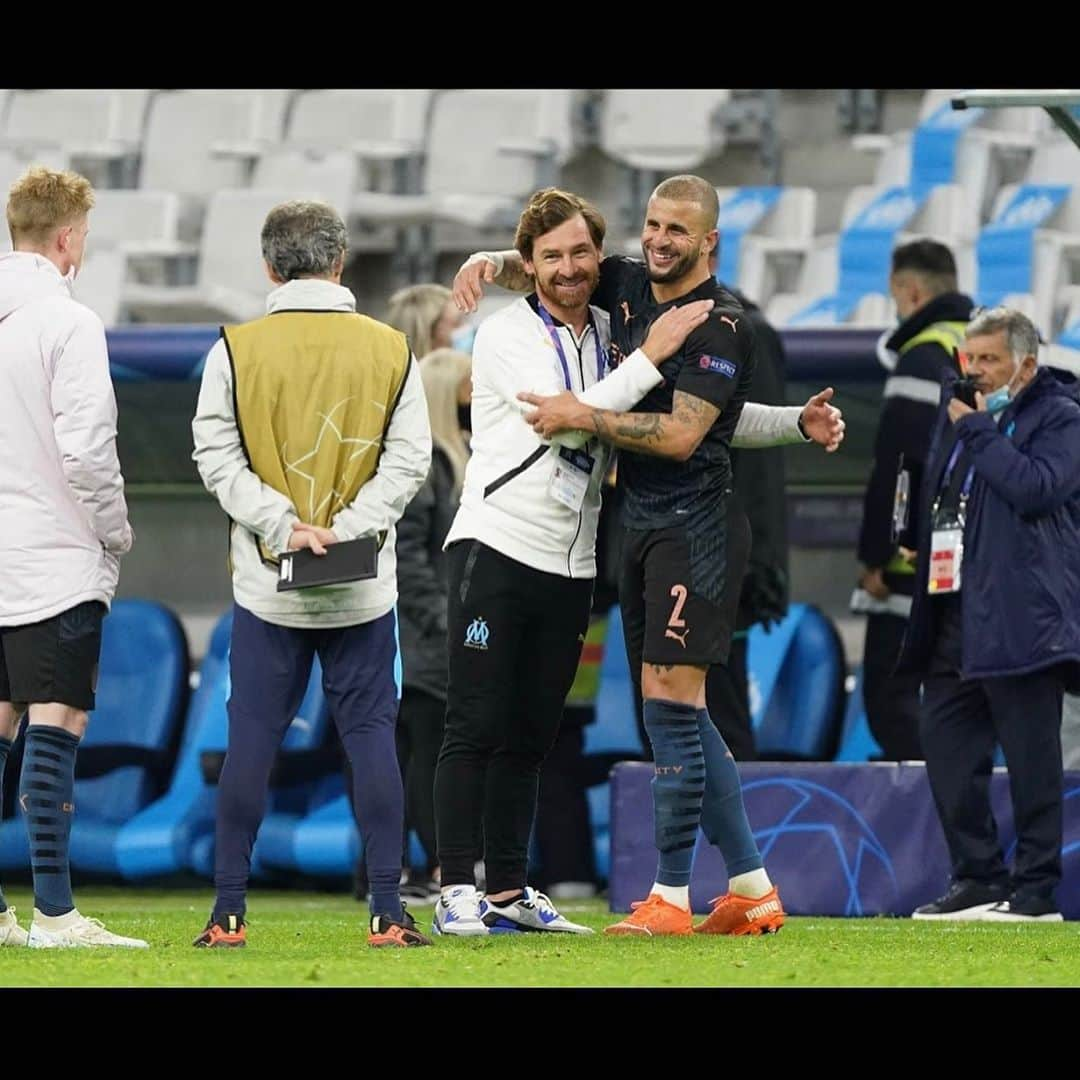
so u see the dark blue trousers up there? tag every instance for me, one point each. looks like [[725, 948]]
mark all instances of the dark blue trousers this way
[[962, 721], [269, 667]]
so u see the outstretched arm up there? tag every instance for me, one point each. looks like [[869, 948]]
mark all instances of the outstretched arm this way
[[762, 426]]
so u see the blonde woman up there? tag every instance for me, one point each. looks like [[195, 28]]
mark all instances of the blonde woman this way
[[421, 568], [427, 315]]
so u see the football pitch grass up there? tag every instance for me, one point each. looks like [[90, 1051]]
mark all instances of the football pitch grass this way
[[303, 939]]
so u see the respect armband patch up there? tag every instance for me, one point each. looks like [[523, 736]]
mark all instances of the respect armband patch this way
[[719, 365]]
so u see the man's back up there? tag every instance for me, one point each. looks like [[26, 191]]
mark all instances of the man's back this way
[[57, 447]]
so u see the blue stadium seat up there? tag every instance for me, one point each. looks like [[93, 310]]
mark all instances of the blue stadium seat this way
[[857, 743], [176, 832], [615, 728], [797, 686], [129, 748], [1005, 250]]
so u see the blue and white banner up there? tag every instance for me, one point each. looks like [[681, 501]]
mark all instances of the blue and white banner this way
[[836, 839]]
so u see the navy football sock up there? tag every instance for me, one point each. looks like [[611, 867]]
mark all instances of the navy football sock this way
[[46, 794], [723, 815], [5, 749], [678, 785]]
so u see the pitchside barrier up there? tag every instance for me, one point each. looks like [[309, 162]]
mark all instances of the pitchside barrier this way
[[837, 839]]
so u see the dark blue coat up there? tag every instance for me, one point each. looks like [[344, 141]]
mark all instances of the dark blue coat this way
[[1021, 567]]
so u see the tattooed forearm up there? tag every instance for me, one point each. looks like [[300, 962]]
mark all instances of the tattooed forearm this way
[[644, 432], [673, 435]]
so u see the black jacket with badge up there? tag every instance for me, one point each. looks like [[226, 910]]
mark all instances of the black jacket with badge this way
[[915, 358], [421, 575]]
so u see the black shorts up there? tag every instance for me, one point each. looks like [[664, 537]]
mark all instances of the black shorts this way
[[55, 660], [679, 591]]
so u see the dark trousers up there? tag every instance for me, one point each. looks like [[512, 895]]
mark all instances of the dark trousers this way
[[962, 722], [727, 697], [563, 838], [269, 667], [419, 737], [892, 701], [515, 637]]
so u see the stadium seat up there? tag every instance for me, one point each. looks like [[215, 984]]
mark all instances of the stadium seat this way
[[98, 131], [874, 220], [797, 686], [200, 141], [857, 742], [662, 131], [973, 148], [127, 753], [765, 234], [231, 282], [486, 151]]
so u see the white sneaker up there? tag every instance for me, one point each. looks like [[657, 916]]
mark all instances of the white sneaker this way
[[11, 933], [73, 931], [457, 913], [534, 911]]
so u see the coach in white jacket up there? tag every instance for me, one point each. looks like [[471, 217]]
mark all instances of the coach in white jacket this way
[[63, 528]]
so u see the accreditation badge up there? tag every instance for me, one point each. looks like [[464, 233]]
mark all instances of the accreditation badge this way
[[946, 555], [570, 477]]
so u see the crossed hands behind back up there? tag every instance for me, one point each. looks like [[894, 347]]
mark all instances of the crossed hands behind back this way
[[314, 537]]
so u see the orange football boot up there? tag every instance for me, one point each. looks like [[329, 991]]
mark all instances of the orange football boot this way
[[653, 917], [738, 915], [218, 936]]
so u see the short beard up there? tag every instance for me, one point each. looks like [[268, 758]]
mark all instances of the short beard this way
[[675, 273]]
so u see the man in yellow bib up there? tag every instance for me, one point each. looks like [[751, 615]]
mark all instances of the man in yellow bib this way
[[311, 429]]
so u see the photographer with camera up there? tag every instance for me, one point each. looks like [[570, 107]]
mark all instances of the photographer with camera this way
[[932, 317], [994, 634]]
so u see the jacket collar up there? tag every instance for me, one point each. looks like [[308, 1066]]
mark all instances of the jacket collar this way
[[310, 294]]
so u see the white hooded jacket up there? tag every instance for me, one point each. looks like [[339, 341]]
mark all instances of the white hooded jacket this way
[[63, 517]]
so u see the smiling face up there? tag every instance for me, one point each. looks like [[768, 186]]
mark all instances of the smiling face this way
[[676, 241], [565, 266]]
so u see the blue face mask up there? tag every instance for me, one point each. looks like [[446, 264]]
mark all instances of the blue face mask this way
[[462, 338], [997, 400]]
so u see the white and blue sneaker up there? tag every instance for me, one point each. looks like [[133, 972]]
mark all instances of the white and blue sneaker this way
[[457, 913], [534, 911]]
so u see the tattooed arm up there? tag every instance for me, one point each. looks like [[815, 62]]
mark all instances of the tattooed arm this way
[[672, 435]]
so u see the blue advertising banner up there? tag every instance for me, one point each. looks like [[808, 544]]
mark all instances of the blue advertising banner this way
[[838, 839]]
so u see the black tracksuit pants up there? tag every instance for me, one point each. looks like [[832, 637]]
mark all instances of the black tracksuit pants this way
[[515, 637]]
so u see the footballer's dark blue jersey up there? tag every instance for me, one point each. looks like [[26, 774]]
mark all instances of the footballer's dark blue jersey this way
[[715, 363]]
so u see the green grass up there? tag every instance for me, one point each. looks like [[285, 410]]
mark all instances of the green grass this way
[[314, 940]]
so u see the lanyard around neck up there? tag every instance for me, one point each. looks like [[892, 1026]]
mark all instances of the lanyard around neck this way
[[553, 330], [965, 490]]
